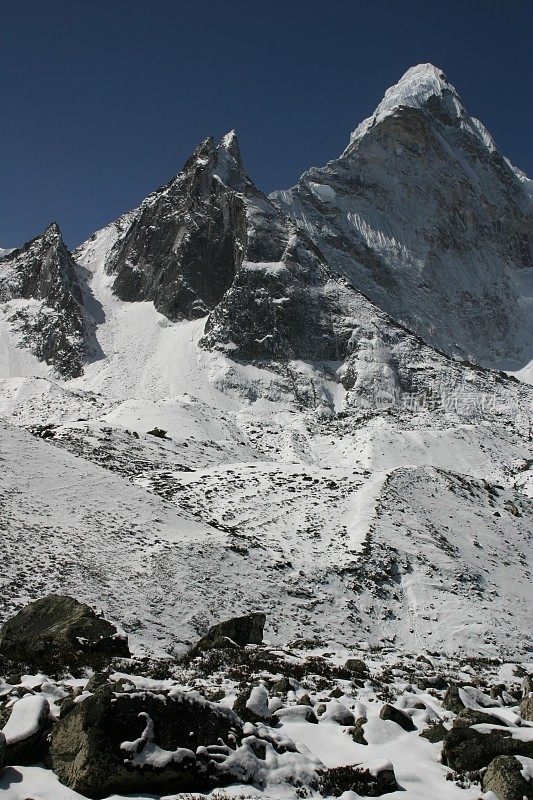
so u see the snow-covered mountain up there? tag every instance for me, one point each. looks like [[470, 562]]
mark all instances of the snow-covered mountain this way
[[42, 303], [423, 214], [239, 401]]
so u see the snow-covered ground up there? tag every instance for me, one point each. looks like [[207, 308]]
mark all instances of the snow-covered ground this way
[[171, 487], [393, 677], [409, 527]]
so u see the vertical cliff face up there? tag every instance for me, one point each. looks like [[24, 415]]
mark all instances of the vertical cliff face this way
[[423, 214], [42, 301], [186, 240]]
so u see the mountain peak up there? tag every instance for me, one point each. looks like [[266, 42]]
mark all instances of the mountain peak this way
[[230, 168], [52, 232], [425, 87]]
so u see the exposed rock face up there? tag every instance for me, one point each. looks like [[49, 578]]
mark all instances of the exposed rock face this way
[[211, 243], [58, 631], [141, 742], [186, 241], [423, 215], [43, 301]]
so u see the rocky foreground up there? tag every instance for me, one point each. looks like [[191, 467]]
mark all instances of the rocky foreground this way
[[234, 717]]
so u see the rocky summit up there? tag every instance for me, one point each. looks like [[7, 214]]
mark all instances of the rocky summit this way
[[266, 479]]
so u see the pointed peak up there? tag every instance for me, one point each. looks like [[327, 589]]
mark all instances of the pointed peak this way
[[202, 155], [230, 144], [230, 168], [229, 149], [53, 230], [416, 87], [424, 87]]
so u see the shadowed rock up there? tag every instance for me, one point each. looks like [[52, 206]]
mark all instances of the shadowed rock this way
[[58, 631], [244, 630]]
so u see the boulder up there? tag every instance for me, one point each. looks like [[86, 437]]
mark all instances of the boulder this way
[[295, 713], [252, 705], [305, 700], [398, 716], [244, 630], [466, 749], [526, 709], [504, 778], [452, 701], [357, 667], [58, 631], [373, 780], [142, 742], [25, 732], [358, 734], [283, 685], [435, 732], [471, 716], [2, 750], [337, 712]]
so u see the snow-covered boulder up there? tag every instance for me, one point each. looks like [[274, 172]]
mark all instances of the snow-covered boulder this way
[[142, 741], [477, 738], [25, 733], [252, 705]]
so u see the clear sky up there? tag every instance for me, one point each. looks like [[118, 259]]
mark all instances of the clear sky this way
[[103, 100]]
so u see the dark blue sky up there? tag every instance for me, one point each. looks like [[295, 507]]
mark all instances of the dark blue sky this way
[[103, 100]]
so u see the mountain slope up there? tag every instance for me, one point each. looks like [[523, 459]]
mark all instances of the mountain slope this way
[[423, 214], [314, 456]]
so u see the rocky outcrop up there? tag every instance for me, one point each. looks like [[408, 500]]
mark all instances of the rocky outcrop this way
[[57, 632], [42, 301], [141, 741], [209, 243], [186, 241], [424, 216]]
